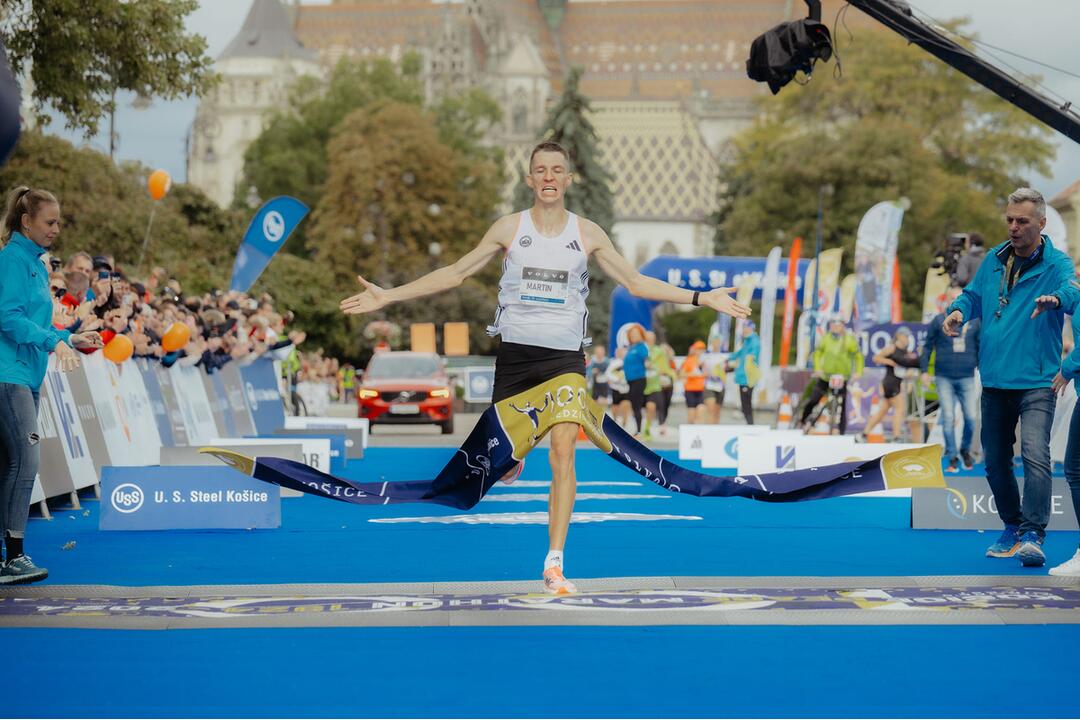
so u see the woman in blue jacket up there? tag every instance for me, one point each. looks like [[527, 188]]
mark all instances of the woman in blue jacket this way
[[27, 336], [745, 362]]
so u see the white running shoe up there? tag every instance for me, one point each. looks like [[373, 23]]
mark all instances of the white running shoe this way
[[1069, 568], [555, 583]]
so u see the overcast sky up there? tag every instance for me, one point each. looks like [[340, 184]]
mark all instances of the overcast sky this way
[[1044, 30]]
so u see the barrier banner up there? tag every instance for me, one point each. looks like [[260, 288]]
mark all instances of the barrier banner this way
[[968, 504], [354, 438], [263, 396], [185, 498], [140, 412], [234, 392], [219, 404], [722, 450], [338, 454], [69, 424], [92, 425], [194, 405], [172, 405], [54, 476], [157, 402]]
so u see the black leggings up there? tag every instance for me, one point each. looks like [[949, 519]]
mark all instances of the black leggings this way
[[637, 399], [662, 411], [746, 395]]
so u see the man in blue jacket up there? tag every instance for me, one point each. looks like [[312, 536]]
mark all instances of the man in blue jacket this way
[[1021, 291], [955, 360]]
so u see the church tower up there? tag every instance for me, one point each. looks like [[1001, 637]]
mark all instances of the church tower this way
[[256, 70]]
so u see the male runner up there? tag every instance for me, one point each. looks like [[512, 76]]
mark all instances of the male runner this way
[[542, 317]]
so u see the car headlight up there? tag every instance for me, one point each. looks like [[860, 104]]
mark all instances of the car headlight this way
[[367, 394], [440, 393]]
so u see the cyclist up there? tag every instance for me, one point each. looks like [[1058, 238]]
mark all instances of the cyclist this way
[[837, 354]]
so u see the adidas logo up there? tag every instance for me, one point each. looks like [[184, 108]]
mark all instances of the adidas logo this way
[[574, 246]]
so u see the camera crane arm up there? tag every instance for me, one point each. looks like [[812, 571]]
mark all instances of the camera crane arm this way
[[897, 16]]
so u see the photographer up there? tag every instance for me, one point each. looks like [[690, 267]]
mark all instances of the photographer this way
[[970, 260]]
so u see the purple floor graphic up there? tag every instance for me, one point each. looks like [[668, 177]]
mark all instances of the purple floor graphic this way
[[233, 607]]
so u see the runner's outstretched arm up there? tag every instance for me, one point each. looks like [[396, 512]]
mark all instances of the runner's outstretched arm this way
[[374, 297], [618, 267]]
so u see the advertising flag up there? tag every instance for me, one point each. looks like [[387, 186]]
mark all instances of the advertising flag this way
[[268, 231]]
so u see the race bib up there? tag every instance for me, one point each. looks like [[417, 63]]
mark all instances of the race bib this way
[[958, 344], [540, 286], [714, 384]]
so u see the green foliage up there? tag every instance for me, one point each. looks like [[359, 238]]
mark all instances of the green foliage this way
[[393, 189], [105, 210], [81, 52], [681, 328], [899, 123], [590, 195], [289, 157]]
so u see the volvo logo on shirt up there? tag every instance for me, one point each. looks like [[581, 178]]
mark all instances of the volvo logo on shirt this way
[[525, 241]]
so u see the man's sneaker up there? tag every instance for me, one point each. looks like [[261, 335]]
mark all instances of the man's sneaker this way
[[555, 583], [952, 468], [21, 571], [1069, 568], [514, 474], [1030, 551], [967, 460], [1006, 545]]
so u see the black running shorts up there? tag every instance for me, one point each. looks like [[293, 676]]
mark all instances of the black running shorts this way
[[521, 367]]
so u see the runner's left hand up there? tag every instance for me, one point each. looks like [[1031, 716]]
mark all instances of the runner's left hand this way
[[371, 299], [720, 300]]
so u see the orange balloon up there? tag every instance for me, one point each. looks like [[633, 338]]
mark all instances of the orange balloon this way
[[175, 337], [159, 184], [119, 349]]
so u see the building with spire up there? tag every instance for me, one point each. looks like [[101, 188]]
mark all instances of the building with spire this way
[[666, 78], [256, 69]]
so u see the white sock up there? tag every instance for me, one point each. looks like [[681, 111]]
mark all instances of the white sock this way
[[553, 559]]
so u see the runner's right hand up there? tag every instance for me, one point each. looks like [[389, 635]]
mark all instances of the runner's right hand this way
[[371, 299]]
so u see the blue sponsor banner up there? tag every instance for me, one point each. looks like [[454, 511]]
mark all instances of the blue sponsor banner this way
[[157, 401], [268, 231], [338, 449], [263, 396], [185, 498]]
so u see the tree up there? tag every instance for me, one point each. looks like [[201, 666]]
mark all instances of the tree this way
[[105, 209], [290, 156], [590, 195], [898, 123], [394, 189], [81, 52]]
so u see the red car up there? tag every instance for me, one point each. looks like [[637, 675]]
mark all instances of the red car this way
[[406, 388]]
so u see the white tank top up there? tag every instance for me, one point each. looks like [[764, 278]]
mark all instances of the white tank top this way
[[544, 285]]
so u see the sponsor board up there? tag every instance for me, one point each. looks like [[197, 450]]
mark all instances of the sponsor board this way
[[696, 440], [968, 504], [778, 452], [185, 497]]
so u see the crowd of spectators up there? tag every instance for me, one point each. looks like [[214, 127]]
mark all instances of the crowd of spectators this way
[[93, 293]]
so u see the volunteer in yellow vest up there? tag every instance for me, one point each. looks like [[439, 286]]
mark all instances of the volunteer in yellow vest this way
[[837, 353], [656, 371], [542, 318]]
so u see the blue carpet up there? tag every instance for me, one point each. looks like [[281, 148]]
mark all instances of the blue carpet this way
[[527, 671], [548, 672], [325, 541]]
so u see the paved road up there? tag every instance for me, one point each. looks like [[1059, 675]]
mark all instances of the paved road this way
[[431, 436]]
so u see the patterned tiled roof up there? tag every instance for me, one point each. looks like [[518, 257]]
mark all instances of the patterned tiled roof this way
[[666, 50]]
